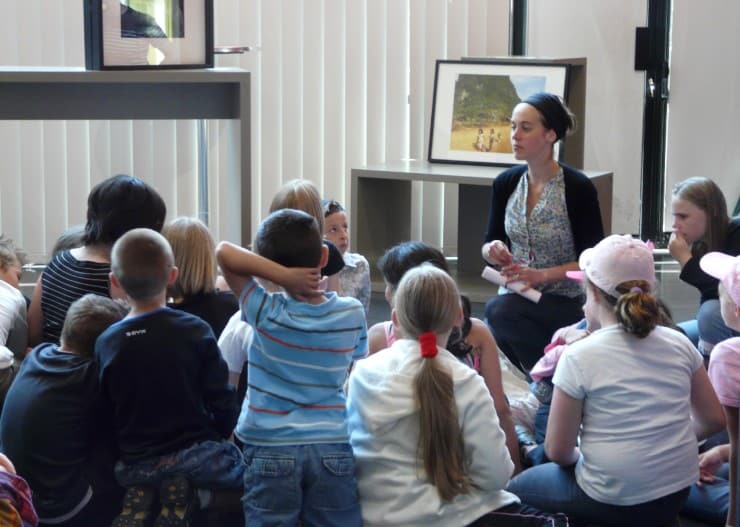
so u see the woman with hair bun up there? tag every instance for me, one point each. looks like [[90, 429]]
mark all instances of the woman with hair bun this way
[[637, 393], [543, 215]]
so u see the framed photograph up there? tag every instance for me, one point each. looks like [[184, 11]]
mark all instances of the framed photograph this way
[[472, 105], [148, 34]]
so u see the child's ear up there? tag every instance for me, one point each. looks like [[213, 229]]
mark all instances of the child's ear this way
[[173, 275], [394, 318], [113, 280], [324, 255]]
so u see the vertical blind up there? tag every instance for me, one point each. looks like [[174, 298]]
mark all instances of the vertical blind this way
[[336, 84]]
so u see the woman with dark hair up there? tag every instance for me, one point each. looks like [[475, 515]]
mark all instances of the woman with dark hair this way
[[701, 225], [543, 215], [114, 206]]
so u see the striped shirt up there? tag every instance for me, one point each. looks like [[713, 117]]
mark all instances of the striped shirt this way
[[297, 365], [65, 280]]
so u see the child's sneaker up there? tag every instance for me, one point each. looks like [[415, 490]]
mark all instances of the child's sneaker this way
[[138, 508], [178, 503]]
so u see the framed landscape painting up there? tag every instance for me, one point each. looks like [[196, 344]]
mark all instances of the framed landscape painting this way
[[472, 105]]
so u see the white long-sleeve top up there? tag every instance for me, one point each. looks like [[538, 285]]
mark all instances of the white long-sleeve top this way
[[384, 432]]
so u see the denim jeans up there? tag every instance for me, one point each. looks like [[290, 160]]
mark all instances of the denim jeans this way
[[553, 488], [708, 329], [311, 483], [207, 465], [710, 502]]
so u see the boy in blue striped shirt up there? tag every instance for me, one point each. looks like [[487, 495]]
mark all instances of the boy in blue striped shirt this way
[[293, 422]]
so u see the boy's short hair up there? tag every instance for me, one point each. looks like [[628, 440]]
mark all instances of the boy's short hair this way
[[9, 253], [291, 238], [141, 261], [86, 319]]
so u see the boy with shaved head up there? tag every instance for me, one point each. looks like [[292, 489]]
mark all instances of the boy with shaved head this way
[[166, 384]]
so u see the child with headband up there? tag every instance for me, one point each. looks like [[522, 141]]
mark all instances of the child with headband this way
[[427, 443]]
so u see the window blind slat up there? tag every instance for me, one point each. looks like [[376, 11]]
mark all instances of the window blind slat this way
[[334, 107]]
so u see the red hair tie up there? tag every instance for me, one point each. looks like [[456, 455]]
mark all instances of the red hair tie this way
[[428, 343]]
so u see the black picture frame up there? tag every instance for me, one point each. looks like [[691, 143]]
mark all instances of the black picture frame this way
[[483, 101], [118, 37]]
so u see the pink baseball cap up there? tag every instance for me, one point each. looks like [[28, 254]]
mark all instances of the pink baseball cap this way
[[614, 260], [726, 269]]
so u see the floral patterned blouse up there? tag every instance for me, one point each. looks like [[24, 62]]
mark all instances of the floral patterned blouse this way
[[354, 279], [545, 238]]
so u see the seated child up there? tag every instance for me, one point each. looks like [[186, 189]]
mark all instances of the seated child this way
[[56, 395], [472, 342], [301, 194], [16, 509], [429, 448], [293, 423], [354, 278], [724, 364], [166, 385], [13, 325]]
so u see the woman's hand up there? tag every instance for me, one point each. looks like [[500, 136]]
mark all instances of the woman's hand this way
[[521, 273], [679, 248], [497, 253]]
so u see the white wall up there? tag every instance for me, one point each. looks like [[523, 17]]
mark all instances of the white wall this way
[[604, 33], [703, 104]]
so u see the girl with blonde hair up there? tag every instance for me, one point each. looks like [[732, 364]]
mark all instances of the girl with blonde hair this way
[[428, 446], [194, 290]]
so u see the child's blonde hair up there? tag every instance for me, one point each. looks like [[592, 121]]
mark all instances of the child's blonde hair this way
[[10, 254], [427, 300], [195, 256], [300, 194]]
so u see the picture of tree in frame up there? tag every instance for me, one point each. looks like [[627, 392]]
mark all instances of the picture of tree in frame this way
[[473, 102]]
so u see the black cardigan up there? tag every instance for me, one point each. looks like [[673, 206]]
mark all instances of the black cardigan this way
[[707, 285], [581, 200]]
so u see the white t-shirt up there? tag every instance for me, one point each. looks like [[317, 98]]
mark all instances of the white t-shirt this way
[[637, 442], [234, 342], [13, 326]]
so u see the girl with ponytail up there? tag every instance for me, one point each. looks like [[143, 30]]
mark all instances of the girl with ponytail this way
[[636, 392], [427, 443]]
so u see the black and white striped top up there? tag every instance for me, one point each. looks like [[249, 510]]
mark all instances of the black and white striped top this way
[[65, 280]]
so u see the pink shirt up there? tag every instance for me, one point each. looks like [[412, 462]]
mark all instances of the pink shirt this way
[[724, 371]]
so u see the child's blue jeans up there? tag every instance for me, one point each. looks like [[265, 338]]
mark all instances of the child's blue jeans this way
[[314, 483], [207, 465]]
